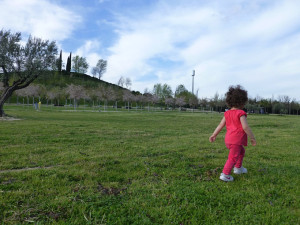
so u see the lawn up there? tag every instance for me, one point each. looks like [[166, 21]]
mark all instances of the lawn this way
[[84, 167]]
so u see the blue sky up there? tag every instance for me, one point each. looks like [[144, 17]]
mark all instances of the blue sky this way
[[253, 43]]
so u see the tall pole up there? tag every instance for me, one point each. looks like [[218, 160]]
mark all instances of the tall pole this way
[[193, 75]]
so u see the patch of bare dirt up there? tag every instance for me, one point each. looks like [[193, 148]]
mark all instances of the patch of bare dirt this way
[[6, 118], [27, 169]]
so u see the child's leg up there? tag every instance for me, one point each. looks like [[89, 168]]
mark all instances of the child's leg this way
[[239, 162], [233, 156]]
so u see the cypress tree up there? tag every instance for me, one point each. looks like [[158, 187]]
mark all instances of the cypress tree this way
[[60, 61], [68, 67], [70, 61]]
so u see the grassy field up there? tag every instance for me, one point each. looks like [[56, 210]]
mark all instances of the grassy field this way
[[70, 167]]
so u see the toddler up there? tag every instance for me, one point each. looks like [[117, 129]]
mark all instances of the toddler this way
[[237, 130]]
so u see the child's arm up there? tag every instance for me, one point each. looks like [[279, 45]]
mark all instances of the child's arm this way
[[248, 130], [213, 137]]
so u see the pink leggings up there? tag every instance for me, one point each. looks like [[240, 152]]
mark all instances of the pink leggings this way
[[235, 157]]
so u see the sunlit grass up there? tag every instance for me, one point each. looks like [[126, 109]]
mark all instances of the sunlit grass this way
[[143, 168]]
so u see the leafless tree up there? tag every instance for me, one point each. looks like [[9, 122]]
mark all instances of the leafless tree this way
[[55, 94], [121, 81], [128, 83], [140, 99], [35, 91], [147, 99], [29, 91], [111, 95], [100, 94], [180, 101], [93, 96], [169, 102], [51, 94], [128, 97], [154, 100], [76, 92]]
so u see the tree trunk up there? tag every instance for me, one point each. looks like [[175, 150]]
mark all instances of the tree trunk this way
[[1, 109], [5, 95]]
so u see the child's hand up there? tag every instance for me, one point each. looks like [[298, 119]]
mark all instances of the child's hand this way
[[253, 142], [212, 138]]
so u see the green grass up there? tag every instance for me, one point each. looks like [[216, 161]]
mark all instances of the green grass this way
[[143, 168]]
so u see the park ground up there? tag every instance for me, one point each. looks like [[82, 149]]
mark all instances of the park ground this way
[[91, 167]]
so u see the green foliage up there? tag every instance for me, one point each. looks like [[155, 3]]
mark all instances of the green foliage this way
[[180, 91], [100, 68], [143, 168], [62, 80], [59, 62], [21, 64], [80, 64], [163, 91], [68, 66]]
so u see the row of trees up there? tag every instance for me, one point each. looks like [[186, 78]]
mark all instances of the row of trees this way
[[161, 95], [183, 98]]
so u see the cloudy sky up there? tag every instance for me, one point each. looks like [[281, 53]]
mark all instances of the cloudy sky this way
[[253, 43]]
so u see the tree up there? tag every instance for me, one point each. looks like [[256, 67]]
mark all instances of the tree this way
[[22, 64], [157, 90], [180, 101], [76, 92], [121, 81], [193, 101], [162, 91], [128, 83], [154, 99], [68, 66], [127, 97], [1, 87], [80, 64], [59, 62], [203, 103], [24, 92], [169, 102], [180, 90], [55, 94], [100, 68], [110, 95]]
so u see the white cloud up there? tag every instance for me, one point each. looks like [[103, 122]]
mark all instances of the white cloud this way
[[251, 44], [89, 50], [39, 18]]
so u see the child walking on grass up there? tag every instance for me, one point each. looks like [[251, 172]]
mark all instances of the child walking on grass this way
[[237, 130]]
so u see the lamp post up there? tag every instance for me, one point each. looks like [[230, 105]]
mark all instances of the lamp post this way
[[193, 75]]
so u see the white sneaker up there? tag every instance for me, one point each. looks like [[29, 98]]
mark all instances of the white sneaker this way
[[225, 177], [240, 170]]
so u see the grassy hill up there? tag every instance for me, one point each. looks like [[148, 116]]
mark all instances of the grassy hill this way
[[58, 82], [51, 80]]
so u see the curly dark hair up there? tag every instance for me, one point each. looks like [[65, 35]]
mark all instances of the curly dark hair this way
[[236, 96]]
